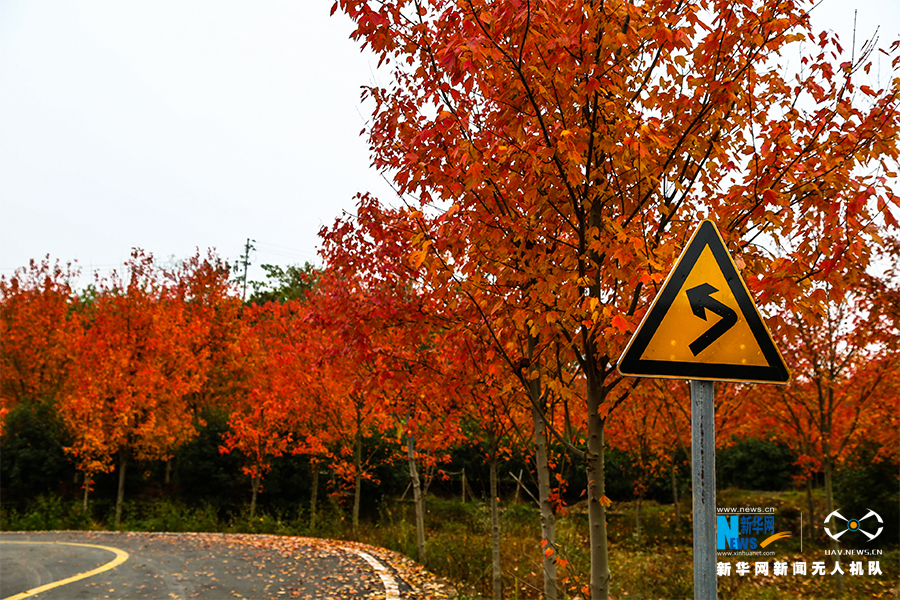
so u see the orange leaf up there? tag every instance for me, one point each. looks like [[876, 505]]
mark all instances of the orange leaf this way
[[620, 323]]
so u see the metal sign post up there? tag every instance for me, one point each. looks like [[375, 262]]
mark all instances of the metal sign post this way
[[703, 473]]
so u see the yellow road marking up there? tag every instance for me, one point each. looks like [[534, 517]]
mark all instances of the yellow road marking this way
[[121, 556]]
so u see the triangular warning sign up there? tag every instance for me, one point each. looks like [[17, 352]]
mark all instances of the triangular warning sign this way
[[704, 324]]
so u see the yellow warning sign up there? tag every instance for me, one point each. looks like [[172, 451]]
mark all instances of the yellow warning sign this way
[[704, 324]]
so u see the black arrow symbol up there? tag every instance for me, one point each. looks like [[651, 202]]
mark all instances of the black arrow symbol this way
[[701, 300]]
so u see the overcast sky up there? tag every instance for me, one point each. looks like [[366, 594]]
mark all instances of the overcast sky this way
[[171, 125]]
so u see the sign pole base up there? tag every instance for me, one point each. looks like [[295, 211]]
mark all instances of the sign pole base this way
[[703, 473]]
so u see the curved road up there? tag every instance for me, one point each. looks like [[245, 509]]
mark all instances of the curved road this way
[[96, 565]]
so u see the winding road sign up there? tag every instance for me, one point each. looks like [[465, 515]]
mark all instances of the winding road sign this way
[[703, 324]]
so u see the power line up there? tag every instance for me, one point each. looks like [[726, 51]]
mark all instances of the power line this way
[[298, 251], [285, 252]]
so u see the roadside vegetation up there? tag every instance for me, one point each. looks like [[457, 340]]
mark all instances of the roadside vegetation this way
[[652, 559], [659, 565]]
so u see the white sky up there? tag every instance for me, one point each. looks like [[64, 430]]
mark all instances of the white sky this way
[[171, 125]]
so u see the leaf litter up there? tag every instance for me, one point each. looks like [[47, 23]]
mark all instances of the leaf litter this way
[[311, 567]]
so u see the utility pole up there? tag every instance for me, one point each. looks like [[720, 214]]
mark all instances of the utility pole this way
[[246, 258]]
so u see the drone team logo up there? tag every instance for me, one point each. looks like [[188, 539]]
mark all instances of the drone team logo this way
[[855, 525]]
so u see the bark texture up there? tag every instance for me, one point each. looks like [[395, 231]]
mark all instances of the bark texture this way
[[418, 498], [120, 495]]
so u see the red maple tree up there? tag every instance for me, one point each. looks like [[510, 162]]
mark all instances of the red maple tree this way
[[559, 154]]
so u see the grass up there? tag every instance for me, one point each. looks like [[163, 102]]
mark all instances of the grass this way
[[657, 565]]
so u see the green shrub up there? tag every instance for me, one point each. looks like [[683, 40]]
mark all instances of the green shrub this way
[[652, 574], [752, 464], [272, 522], [453, 515], [863, 483], [516, 516], [397, 529], [204, 474], [461, 556], [32, 460], [46, 513], [167, 515]]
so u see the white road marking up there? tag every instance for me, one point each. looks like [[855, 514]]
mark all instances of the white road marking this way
[[392, 592]]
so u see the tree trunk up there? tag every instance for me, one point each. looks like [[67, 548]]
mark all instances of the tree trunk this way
[[542, 465], [496, 582], [254, 484], [168, 478], [596, 491], [120, 496], [675, 498], [357, 478], [418, 498], [829, 507], [87, 489], [548, 519], [464, 485], [314, 464], [812, 508], [638, 528], [518, 486]]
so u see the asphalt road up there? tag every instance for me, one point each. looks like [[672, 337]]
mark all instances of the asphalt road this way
[[208, 566]]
